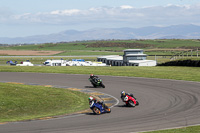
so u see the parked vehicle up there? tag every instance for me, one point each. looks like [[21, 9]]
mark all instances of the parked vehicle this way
[[97, 82], [130, 101], [25, 63], [11, 63], [98, 109]]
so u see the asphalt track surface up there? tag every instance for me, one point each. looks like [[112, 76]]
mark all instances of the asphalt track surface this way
[[163, 104]]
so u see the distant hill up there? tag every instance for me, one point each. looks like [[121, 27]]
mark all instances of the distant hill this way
[[170, 32]]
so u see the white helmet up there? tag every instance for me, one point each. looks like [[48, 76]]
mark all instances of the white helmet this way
[[90, 98]]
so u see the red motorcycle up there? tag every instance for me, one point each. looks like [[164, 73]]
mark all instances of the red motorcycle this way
[[130, 101]]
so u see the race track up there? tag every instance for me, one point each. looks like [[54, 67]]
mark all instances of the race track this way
[[163, 104]]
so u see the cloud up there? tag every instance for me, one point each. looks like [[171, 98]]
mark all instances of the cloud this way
[[66, 12], [126, 7], [123, 16]]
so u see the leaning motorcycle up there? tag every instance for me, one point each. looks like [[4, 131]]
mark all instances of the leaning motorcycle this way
[[96, 82], [98, 109], [130, 101]]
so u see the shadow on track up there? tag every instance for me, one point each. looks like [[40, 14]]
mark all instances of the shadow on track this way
[[93, 87], [123, 106]]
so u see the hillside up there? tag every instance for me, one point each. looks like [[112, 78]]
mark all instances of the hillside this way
[[169, 32]]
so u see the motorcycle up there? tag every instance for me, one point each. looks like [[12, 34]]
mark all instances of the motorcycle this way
[[97, 82], [98, 109], [130, 101]]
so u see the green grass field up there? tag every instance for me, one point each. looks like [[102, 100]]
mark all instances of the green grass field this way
[[151, 47], [24, 102], [192, 129], [177, 73]]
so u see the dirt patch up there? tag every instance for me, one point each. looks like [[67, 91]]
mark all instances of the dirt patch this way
[[28, 52]]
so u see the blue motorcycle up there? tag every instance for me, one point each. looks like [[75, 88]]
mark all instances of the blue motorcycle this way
[[98, 108]]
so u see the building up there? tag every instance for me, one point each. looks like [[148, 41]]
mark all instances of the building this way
[[131, 57]]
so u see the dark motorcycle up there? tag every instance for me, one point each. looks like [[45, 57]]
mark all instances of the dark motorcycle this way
[[97, 82]]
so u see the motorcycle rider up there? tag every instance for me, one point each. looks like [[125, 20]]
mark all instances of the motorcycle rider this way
[[124, 94], [93, 77], [93, 100]]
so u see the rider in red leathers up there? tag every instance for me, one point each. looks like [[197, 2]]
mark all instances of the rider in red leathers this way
[[123, 95], [126, 97]]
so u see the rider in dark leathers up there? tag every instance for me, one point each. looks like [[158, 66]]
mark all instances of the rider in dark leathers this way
[[93, 77]]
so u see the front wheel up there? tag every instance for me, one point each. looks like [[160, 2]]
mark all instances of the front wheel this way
[[108, 110], [94, 85], [131, 103], [137, 103], [102, 85], [96, 111]]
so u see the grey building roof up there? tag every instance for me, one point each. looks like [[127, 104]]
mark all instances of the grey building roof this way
[[109, 56], [140, 61], [133, 50], [136, 55], [115, 58]]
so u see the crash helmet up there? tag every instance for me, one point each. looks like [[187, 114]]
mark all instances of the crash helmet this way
[[91, 75], [123, 93], [90, 98]]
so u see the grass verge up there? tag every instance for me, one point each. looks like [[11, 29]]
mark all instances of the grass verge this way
[[192, 129], [171, 72], [24, 102]]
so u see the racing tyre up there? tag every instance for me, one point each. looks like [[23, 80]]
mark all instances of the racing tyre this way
[[131, 103], [108, 110], [94, 85], [96, 111], [103, 85], [137, 103]]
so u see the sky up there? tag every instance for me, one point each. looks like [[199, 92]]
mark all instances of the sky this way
[[21, 18]]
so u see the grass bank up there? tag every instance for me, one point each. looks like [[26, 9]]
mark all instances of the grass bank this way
[[192, 129], [171, 72], [23, 102]]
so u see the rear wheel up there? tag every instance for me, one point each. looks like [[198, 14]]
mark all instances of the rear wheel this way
[[96, 111], [131, 103]]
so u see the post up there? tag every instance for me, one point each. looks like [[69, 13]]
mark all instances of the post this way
[[197, 53]]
